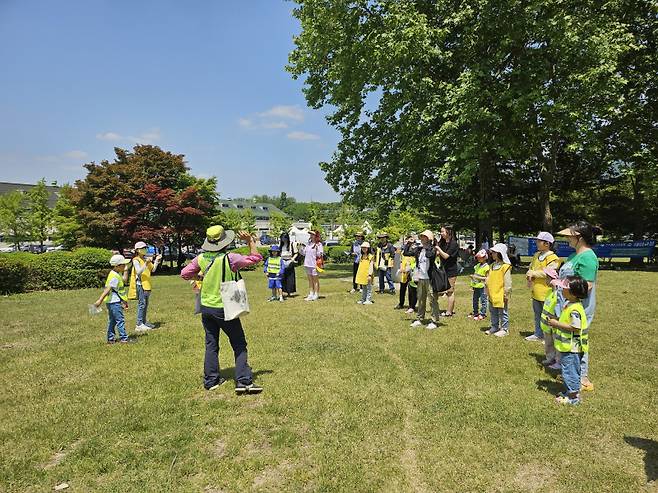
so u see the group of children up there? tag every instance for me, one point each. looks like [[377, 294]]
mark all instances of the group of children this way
[[116, 294]]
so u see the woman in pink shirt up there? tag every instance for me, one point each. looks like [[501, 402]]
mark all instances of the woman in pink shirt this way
[[212, 311], [312, 252]]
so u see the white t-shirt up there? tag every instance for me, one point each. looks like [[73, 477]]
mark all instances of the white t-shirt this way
[[423, 265], [114, 283]]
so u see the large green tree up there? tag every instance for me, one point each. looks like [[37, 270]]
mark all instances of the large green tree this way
[[40, 216], [67, 228], [14, 222]]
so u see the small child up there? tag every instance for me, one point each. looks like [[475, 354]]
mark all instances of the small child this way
[[407, 266], [364, 274], [273, 270], [552, 360], [570, 336], [115, 284], [478, 280], [140, 284], [499, 290]]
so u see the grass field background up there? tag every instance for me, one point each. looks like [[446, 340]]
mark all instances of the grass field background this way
[[354, 400]]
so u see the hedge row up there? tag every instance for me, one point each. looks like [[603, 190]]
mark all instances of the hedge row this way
[[82, 268]]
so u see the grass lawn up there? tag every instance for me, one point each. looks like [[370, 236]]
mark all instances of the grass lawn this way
[[355, 400]]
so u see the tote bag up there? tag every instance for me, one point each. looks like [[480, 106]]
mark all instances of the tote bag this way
[[439, 279], [234, 294]]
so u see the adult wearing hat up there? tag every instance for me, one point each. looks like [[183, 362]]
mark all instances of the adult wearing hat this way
[[384, 260], [140, 284], [212, 266], [584, 263], [543, 259], [425, 264], [356, 258]]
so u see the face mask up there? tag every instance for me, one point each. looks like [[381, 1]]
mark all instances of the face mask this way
[[142, 251]]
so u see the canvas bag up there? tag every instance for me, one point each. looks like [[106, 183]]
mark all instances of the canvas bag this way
[[234, 294]]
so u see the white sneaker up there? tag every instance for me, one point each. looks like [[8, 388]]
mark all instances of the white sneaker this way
[[142, 328], [367, 302], [360, 302], [410, 310], [309, 297], [353, 291], [489, 332], [316, 297], [431, 326], [501, 333], [416, 323], [533, 337], [281, 299]]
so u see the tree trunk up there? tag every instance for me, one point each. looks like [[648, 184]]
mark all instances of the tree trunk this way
[[547, 167], [638, 212], [487, 204]]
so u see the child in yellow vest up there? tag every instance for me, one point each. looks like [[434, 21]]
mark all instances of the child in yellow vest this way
[[571, 336], [552, 360], [478, 280], [499, 290], [140, 284], [115, 284], [544, 258], [365, 273], [273, 270]]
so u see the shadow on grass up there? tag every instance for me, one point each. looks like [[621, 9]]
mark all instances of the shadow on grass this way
[[525, 333], [229, 373], [651, 456], [550, 386], [539, 357]]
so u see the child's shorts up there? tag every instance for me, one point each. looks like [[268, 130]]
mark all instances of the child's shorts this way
[[311, 271], [274, 283]]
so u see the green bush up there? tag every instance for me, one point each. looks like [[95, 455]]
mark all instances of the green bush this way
[[337, 255], [82, 268]]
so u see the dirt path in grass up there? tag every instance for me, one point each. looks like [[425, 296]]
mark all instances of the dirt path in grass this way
[[409, 459]]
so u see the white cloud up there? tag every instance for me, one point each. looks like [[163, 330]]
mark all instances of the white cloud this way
[[148, 137], [285, 112], [108, 136], [245, 122], [275, 125], [299, 135], [76, 154]]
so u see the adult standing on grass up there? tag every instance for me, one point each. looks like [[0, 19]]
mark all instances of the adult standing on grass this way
[[356, 258], [140, 284], [312, 252], [384, 260], [425, 264], [213, 266], [583, 263], [545, 258], [448, 251]]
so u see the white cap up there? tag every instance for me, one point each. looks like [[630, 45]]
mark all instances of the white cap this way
[[118, 260], [544, 236], [140, 244], [502, 249]]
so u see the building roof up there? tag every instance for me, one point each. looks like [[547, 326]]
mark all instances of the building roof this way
[[53, 191], [260, 209]]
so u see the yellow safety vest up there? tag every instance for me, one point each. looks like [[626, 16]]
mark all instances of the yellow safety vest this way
[[496, 285], [145, 278], [364, 269], [121, 287], [480, 270], [389, 259], [273, 265], [407, 262], [539, 288], [211, 295], [548, 311], [572, 342]]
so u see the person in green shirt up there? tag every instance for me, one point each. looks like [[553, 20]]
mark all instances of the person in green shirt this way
[[583, 263]]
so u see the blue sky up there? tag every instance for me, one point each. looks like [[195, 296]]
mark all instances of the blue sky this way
[[203, 78]]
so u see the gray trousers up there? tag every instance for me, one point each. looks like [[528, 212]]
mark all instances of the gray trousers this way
[[424, 289]]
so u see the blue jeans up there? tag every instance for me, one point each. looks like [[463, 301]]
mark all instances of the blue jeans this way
[[115, 315], [570, 364], [499, 319], [142, 304], [480, 297], [366, 292], [537, 308], [386, 274]]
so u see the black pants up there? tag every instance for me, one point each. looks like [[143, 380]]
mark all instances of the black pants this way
[[355, 267], [213, 321], [413, 294]]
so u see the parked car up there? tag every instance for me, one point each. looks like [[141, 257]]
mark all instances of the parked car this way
[[331, 243], [57, 248]]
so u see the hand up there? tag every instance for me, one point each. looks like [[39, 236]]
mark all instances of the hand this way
[[552, 322], [98, 303], [124, 304], [245, 236]]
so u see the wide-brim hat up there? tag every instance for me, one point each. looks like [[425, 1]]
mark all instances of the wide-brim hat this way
[[118, 260], [359, 233], [382, 234], [140, 244], [365, 244], [217, 238], [502, 249], [567, 232], [428, 234]]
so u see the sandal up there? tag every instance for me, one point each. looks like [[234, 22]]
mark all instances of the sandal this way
[[446, 314]]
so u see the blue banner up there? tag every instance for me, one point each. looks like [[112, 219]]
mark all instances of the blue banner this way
[[625, 249]]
